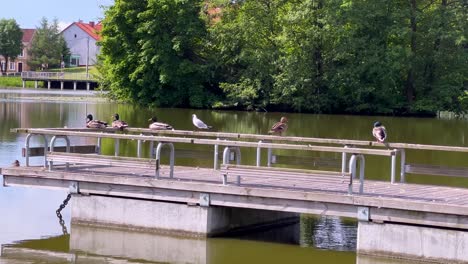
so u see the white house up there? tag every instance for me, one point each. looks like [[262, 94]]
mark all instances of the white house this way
[[81, 39]]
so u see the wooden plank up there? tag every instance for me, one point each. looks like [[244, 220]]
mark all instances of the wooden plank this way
[[39, 151], [250, 192], [436, 170], [279, 169], [96, 159]]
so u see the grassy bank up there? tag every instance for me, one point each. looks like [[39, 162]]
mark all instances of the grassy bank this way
[[15, 82]]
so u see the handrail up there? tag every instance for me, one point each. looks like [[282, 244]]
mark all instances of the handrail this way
[[210, 141], [257, 137]]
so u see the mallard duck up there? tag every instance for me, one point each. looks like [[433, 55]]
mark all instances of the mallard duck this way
[[379, 132], [279, 127], [91, 123], [155, 125], [16, 163], [198, 123], [117, 123]]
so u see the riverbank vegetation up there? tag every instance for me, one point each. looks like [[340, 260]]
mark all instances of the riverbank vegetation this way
[[320, 56], [10, 82]]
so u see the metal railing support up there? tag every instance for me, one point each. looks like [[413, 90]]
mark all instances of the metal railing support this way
[[26, 145], [352, 169], [216, 154], [158, 158], [403, 167], [259, 153], [270, 155], [52, 146], [226, 153], [344, 158], [99, 146], [151, 154], [139, 147], [393, 168], [116, 147]]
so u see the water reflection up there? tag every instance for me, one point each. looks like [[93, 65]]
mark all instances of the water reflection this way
[[98, 245], [30, 213]]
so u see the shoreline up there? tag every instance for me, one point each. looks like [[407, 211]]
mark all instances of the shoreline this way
[[41, 94]]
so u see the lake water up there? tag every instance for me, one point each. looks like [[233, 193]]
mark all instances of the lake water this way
[[30, 231]]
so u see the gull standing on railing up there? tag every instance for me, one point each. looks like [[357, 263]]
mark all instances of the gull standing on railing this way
[[198, 123]]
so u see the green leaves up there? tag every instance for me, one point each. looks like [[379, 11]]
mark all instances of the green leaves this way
[[10, 41], [48, 46], [321, 56]]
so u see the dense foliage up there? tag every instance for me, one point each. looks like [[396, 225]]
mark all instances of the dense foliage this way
[[322, 56], [10, 41], [48, 47]]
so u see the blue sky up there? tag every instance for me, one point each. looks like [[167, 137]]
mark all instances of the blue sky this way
[[29, 13]]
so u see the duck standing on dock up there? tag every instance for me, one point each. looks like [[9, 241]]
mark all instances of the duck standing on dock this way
[[379, 132], [198, 123], [155, 125], [279, 127], [117, 123], [91, 123]]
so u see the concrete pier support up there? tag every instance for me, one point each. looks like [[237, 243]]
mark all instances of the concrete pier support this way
[[412, 242], [87, 86], [61, 85], [169, 218], [24, 84], [48, 85], [35, 84], [74, 86]]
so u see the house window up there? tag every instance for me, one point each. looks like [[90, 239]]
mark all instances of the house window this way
[[74, 60], [12, 66], [2, 65], [21, 54]]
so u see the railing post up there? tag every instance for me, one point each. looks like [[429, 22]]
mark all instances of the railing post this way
[[393, 168], [403, 167], [352, 170], [259, 153], [99, 146], [116, 147], [216, 153], [52, 146], [343, 160], [139, 148], [158, 158], [28, 138]]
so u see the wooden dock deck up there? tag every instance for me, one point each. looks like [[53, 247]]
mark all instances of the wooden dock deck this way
[[409, 203]]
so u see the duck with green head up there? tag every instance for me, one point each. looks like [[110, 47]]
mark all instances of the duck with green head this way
[[91, 123], [155, 125], [117, 123]]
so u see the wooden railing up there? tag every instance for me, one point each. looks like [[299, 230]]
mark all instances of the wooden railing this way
[[56, 76], [274, 142]]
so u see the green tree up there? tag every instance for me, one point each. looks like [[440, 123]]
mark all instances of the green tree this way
[[152, 53], [48, 46], [10, 41]]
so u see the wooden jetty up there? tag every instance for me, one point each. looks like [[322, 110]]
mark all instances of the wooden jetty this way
[[395, 218], [60, 80]]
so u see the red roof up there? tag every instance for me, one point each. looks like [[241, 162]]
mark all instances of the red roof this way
[[91, 28], [28, 34]]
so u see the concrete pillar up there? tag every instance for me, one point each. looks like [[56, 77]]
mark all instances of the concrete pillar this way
[[48, 84], [74, 86], [412, 242], [35, 84], [151, 247], [61, 85], [171, 218], [24, 84], [87, 86]]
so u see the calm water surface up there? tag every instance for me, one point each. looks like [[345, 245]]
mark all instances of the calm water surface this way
[[30, 231]]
